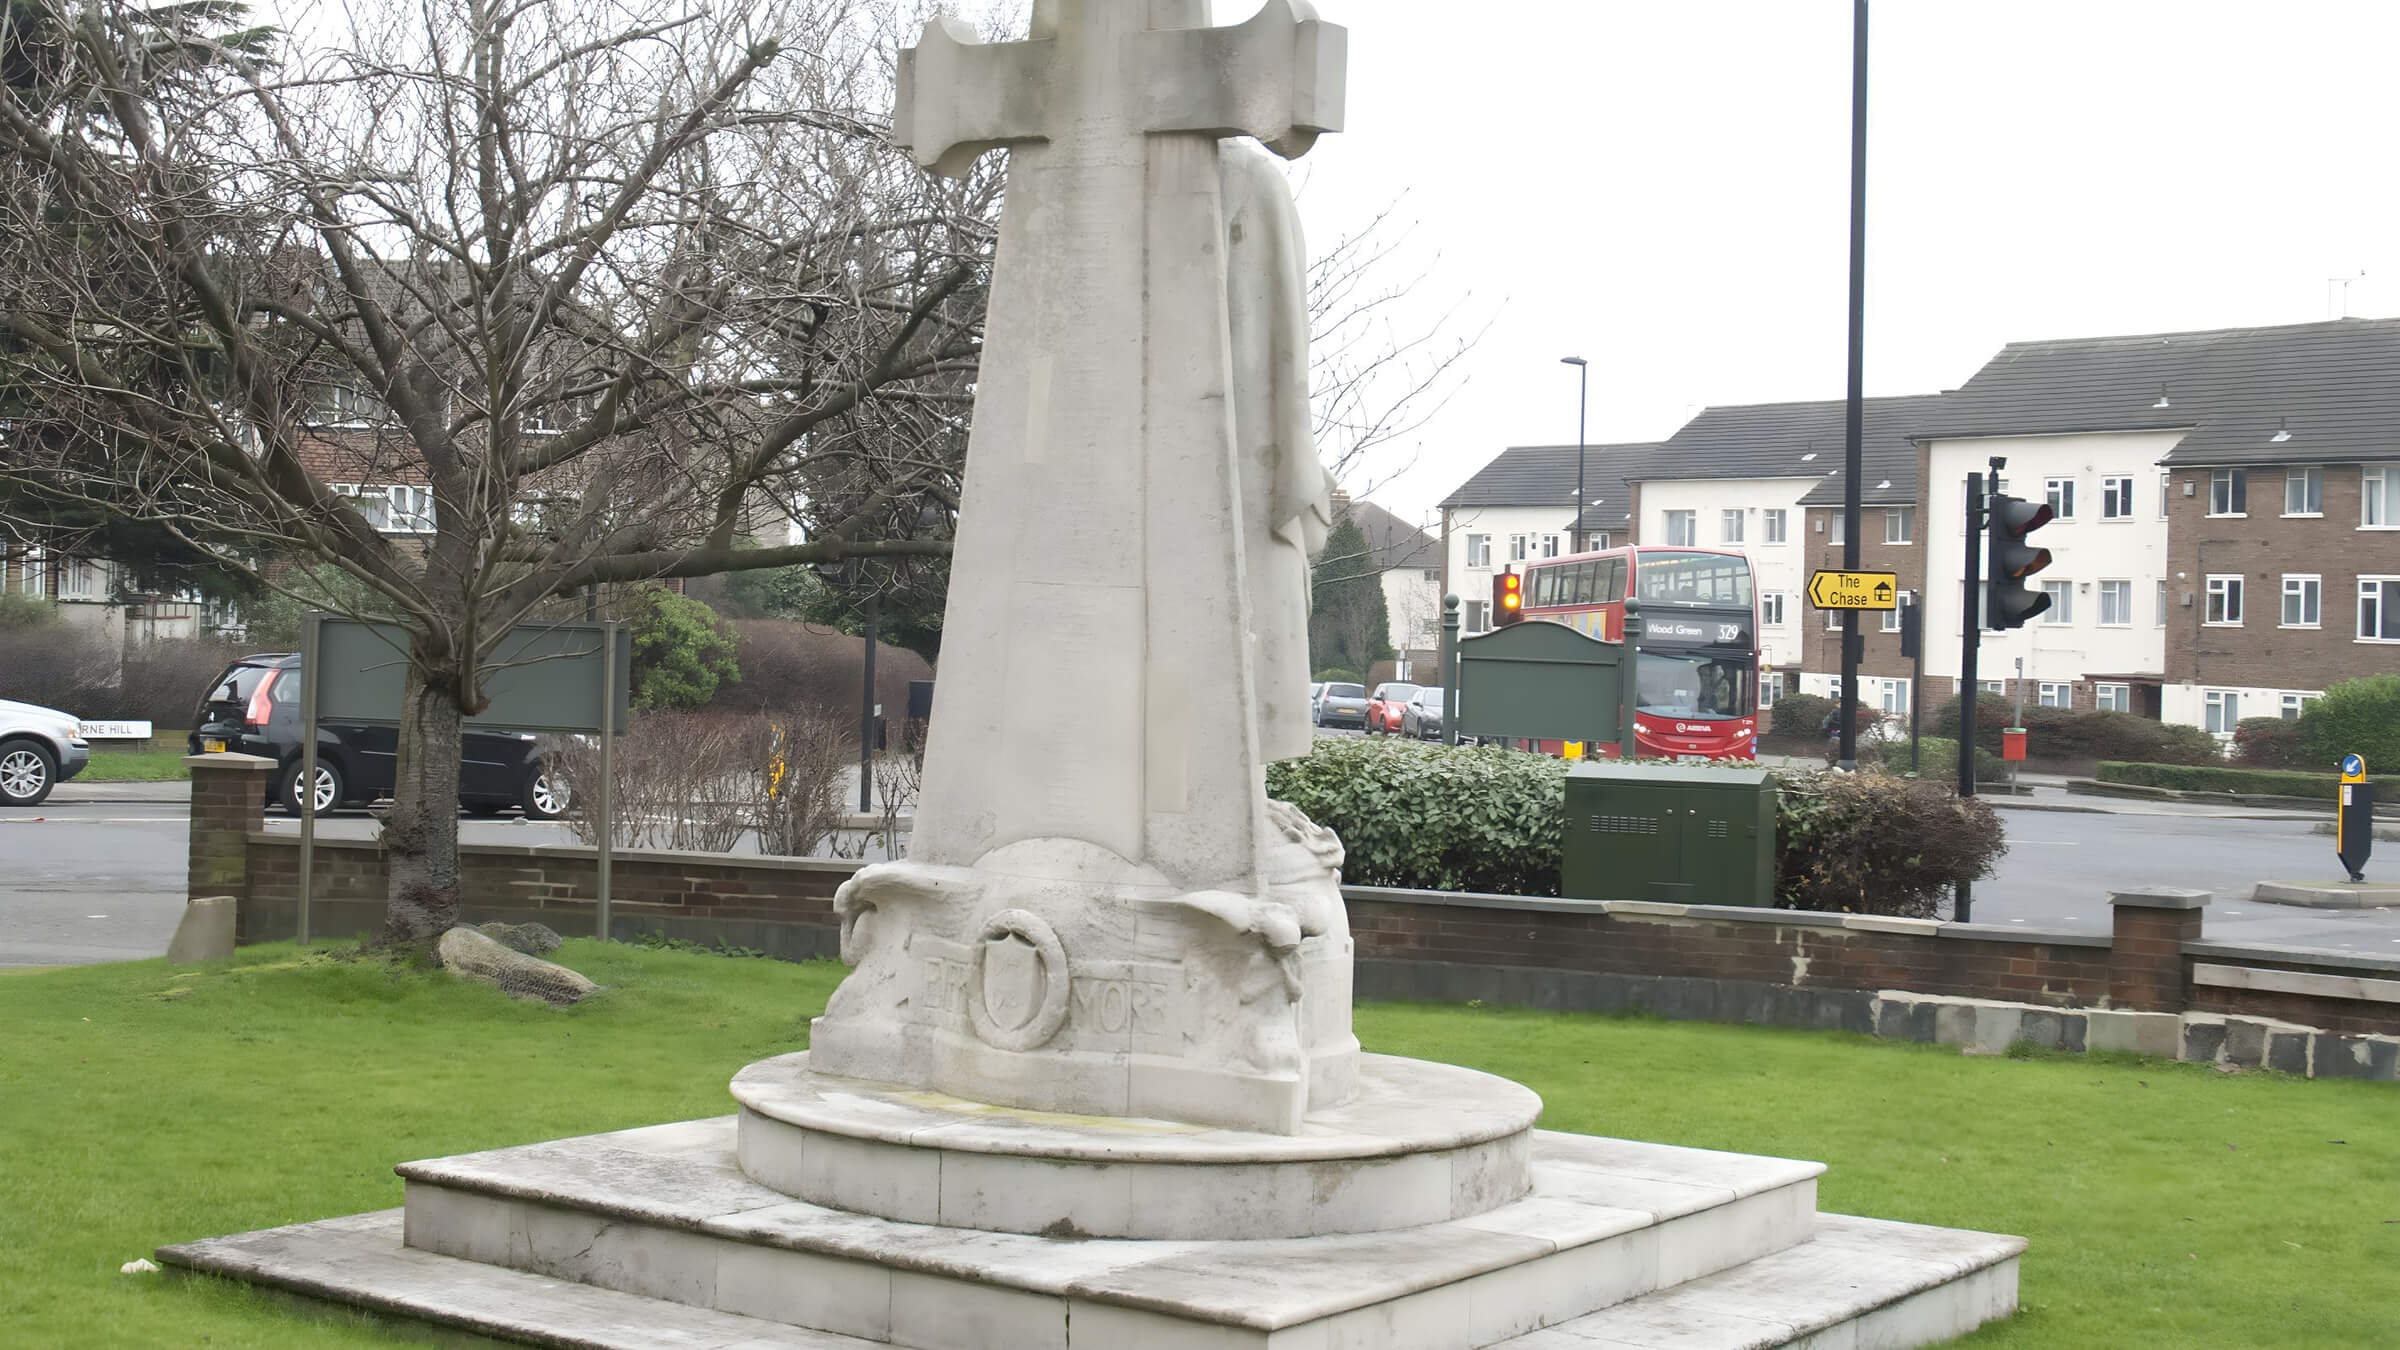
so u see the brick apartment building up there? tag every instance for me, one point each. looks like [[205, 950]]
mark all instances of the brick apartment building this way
[[2228, 533]]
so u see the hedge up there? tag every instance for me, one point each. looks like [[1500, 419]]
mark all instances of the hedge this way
[[1937, 760], [2064, 733], [1466, 818], [2262, 782], [2270, 743], [2355, 717]]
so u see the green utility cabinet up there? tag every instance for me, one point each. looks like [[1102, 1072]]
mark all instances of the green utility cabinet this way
[[1688, 833]]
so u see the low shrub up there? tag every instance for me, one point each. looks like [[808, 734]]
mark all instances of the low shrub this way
[[1797, 717], [2269, 743], [1937, 760], [1430, 817], [1868, 843], [56, 664], [2263, 782], [2089, 733], [2355, 717], [1337, 675], [1426, 817]]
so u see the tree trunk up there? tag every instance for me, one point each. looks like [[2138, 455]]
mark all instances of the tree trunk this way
[[420, 836]]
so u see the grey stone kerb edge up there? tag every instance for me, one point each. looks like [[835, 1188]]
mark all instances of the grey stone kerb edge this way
[[1101, 913]]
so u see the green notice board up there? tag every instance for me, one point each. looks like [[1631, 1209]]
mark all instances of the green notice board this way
[[1544, 682], [541, 677]]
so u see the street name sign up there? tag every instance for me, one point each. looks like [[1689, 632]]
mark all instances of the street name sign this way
[[1854, 590]]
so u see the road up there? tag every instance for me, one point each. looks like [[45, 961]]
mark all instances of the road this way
[[103, 880]]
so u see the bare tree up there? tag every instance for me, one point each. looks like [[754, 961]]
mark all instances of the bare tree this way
[[618, 287]]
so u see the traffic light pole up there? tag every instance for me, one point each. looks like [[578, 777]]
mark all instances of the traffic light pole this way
[[1971, 641]]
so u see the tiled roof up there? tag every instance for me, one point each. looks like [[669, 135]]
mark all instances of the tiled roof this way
[[1393, 542], [2334, 387], [1544, 475], [1801, 440]]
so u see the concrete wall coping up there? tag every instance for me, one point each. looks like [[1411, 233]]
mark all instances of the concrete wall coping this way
[[1782, 918], [231, 762], [2294, 956], [666, 857], [2160, 897]]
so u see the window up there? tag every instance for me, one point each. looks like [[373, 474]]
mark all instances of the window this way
[[2116, 499], [2224, 710], [2379, 609], [1891, 617], [78, 579], [2296, 704], [2162, 603], [2166, 493], [1992, 686], [1517, 547], [1895, 697], [2116, 604], [2062, 602], [1549, 545], [1772, 525], [2113, 697], [1833, 621], [1897, 523], [1479, 550], [2300, 601], [1770, 609], [1473, 621], [2229, 492], [2225, 600], [346, 405], [1839, 531], [2304, 492], [2058, 695], [1770, 688], [2379, 496], [1597, 541], [1683, 528], [1733, 525], [2062, 497]]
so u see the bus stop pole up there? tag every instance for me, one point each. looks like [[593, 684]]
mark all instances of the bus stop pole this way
[[309, 625], [1629, 684], [1449, 671], [608, 767]]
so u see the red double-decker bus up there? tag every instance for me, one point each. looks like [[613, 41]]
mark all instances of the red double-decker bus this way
[[1696, 670]]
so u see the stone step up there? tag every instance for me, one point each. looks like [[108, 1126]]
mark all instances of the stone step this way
[[1858, 1283], [359, 1262], [664, 1212]]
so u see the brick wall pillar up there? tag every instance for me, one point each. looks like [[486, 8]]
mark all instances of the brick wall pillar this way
[[2145, 958], [229, 802]]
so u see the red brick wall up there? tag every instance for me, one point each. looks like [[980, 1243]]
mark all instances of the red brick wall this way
[[2261, 549]]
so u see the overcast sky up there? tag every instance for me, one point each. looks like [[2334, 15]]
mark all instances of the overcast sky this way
[[1662, 187]]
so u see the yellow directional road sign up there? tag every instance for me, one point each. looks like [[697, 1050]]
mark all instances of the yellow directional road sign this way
[[1854, 590]]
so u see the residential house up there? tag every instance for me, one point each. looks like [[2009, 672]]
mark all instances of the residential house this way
[[1409, 563], [1521, 507]]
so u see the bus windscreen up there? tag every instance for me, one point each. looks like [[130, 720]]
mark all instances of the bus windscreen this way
[[1695, 687], [1700, 580]]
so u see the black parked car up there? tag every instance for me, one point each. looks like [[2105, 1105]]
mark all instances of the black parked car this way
[[1421, 716], [253, 708]]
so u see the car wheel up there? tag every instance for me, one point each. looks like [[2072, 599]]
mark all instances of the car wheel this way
[[545, 796], [329, 787], [27, 773]]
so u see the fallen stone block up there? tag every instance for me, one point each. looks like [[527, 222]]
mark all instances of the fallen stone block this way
[[533, 939], [470, 955], [205, 933]]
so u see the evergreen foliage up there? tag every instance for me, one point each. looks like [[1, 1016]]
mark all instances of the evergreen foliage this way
[[682, 652], [1349, 625]]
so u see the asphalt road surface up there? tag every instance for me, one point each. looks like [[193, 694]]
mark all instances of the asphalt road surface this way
[[83, 882]]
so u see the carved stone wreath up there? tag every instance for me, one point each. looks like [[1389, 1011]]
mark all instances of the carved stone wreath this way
[[1051, 1013]]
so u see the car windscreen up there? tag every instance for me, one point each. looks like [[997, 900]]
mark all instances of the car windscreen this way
[[236, 684], [1695, 687], [1345, 691], [1398, 693], [1430, 699]]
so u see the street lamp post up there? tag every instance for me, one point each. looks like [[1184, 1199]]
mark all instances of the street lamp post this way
[[1583, 408]]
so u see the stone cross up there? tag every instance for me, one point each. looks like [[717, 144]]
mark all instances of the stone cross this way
[[1096, 686], [1100, 911]]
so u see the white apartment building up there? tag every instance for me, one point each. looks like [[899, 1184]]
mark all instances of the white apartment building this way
[[1761, 518], [2102, 642], [1520, 508]]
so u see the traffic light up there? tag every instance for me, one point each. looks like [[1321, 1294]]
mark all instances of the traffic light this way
[[1508, 598], [2007, 601]]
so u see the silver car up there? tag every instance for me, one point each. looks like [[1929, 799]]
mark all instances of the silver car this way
[[1342, 705], [39, 749]]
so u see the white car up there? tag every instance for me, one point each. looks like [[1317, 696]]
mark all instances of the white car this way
[[39, 749]]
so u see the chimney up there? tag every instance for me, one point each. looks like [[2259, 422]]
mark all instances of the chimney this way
[[1341, 503]]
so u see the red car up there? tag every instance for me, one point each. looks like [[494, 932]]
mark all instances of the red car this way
[[1385, 706]]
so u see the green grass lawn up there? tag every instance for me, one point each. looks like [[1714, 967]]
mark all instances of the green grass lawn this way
[[135, 766], [2168, 1206]]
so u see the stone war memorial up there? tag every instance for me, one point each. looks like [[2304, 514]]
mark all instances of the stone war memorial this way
[[1091, 1080]]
